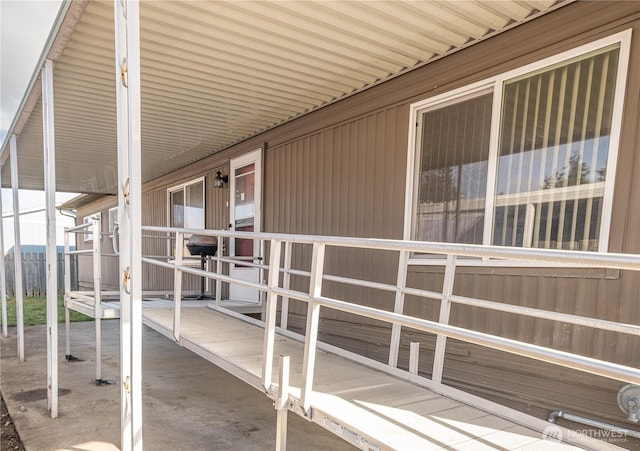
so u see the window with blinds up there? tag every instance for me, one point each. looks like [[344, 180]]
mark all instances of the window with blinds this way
[[453, 171], [535, 172], [553, 150]]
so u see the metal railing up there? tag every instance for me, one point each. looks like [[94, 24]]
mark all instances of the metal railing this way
[[315, 300], [95, 295]]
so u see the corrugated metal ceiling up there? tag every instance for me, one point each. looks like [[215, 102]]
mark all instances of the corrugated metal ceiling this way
[[214, 73]]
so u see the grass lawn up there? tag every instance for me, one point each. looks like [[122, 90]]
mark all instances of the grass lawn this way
[[35, 311]]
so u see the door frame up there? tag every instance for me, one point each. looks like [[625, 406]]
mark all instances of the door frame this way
[[256, 157]]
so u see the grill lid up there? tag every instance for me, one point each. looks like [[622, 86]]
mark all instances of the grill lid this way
[[202, 245]]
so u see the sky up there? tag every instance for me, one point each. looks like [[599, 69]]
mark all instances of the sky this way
[[24, 28], [33, 223]]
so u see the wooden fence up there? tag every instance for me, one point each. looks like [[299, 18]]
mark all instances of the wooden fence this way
[[34, 280]]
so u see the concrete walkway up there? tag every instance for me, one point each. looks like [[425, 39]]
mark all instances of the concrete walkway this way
[[189, 404]]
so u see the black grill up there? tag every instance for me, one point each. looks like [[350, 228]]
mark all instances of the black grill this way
[[204, 246]]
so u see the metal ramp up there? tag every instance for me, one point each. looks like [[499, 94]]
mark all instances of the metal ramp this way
[[370, 404], [368, 408]]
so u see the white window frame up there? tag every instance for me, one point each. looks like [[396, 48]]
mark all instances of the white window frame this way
[[88, 232], [623, 39], [183, 186]]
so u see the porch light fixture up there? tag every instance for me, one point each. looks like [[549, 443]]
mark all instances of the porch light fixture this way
[[220, 180]]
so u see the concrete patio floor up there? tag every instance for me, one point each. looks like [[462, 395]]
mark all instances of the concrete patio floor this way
[[189, 404]]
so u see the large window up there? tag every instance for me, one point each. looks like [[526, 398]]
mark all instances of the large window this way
[[186, 206], [526, 159]]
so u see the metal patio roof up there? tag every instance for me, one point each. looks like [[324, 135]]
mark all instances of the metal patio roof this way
[[215, 73]]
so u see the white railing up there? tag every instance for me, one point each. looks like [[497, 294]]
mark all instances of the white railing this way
[[315, 300], [94, 296]]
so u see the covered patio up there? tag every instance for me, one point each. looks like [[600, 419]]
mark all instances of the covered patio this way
[[140, 90]]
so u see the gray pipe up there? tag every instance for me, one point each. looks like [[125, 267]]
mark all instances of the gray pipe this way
[[553, 416]]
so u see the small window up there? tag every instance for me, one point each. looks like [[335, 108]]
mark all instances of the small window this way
[[452, 180], [526, 159], [186, 207]]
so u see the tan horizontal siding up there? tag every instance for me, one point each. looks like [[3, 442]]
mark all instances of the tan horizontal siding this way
[[352, 173]]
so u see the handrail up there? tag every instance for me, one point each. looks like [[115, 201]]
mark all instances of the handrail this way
[[95, 296], [580, 258], [274, 288], [546, 314], [562, 358], [78, 228], [82, 296], [490, 305], [314, 299], [79, 252]]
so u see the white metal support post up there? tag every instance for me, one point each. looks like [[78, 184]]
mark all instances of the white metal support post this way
[[311, 332], [286, 281], [48, 131], [394, 347], [67, 290], [177, 285], [3, 275], [261, 294], [445, 308], [127, 67], [17, 251], [219, 253], [282, 404], [96, 228], [270, 313], [414, 355]]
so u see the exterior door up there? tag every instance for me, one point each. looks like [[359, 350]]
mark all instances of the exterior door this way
[[245, 215]]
